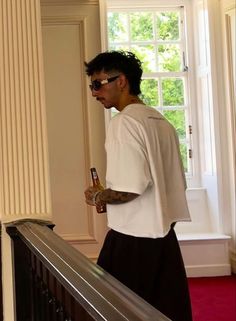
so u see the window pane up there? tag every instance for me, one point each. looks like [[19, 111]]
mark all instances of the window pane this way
[[177, 119], [184, 156], [113, 112], [168, 25], [141, 26], [149, 88], [172, 92], [169, 58], [146, 53], [118, 47], [117, 27]]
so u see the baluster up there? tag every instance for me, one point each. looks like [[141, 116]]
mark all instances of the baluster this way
[[52, 308], [60, 312], [32, 286], [60, 300]]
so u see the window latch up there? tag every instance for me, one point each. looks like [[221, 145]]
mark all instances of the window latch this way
[[190, 129], [190, 153]]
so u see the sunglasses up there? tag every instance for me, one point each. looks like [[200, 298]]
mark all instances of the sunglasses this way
[[97, 84]]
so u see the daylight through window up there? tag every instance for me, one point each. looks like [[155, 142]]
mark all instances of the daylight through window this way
[[157, 37]]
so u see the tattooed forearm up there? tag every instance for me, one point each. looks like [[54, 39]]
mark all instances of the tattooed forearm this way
[[114, 197]]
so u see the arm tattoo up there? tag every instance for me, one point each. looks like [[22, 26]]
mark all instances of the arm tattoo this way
[[110, 196]]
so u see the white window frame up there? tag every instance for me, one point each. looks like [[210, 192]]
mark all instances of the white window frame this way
[[193, 178]]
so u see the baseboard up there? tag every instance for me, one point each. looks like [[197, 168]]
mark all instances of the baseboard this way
[[208, 270]]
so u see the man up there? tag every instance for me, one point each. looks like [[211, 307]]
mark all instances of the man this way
[[145, 194]]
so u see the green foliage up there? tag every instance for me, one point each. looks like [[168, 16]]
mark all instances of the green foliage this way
[[172, 91], [168, 25], [177, 119], [117, 27], [149, 88], [184, 156], [146, 54], [169, 58], [141, 26]]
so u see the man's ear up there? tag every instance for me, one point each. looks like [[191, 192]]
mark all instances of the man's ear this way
[[123, 82]]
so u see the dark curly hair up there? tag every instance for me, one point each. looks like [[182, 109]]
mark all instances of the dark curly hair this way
[[122, 61]]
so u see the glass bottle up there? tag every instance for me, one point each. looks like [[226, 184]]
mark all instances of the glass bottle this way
[[96, 183]]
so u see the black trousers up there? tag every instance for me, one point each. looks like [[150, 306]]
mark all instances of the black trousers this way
[[152, 268]]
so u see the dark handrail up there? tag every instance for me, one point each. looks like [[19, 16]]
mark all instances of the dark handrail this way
[[100, 294]]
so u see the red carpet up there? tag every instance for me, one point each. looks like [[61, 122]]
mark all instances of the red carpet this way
[[213, 298]]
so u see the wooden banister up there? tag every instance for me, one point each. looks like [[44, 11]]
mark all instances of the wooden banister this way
[[60, 283]]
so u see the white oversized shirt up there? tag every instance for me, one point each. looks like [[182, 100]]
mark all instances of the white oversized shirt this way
[[143, 157]]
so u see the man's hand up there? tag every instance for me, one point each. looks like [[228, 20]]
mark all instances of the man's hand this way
[[90, 195]]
